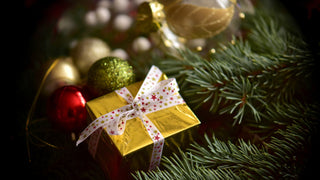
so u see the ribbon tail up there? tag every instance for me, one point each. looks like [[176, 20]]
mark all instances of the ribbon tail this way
[[156, 153], [94, 141], [95, 125], [110, 121], [88, 131], [157, 139], [79, 141]]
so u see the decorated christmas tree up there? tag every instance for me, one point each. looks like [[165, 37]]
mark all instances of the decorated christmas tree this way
[[244, 68]]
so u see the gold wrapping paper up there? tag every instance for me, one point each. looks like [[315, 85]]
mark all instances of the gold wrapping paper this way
[[132, 150]]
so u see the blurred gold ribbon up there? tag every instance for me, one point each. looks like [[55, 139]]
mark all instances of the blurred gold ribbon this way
[[32, 109]]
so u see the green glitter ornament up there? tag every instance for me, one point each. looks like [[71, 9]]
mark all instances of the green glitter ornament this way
[[109, 74]]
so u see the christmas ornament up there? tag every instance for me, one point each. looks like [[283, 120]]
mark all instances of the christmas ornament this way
[[109, 74], [175, 24], [100, 16], [64, 73], [103, 15], [120, 53], [121, 5], [150, 17], [66, 109], [141, 44], [104, 3], [87, 51], [66, 25], [122, 22], [91, 19], [198, 19]]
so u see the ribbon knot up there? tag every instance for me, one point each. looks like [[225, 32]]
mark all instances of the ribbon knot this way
[[136, 106], [151, 97]]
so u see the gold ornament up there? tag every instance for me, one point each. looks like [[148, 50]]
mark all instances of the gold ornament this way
[[150, 17], [173, 23], [64, 73], [198, 18], [87, 51], [109, 74]]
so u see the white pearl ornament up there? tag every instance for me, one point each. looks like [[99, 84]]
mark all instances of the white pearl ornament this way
[[121, 5], [103, 15], [120, 53], [122, 22], [90, 18], [141, 44]]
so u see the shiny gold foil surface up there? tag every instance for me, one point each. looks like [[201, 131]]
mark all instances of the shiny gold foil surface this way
[[121, 154]]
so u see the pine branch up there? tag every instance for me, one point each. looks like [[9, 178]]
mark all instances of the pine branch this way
[[278, 158], [245, 159], [261, 81], [242, 81], [279, 116], [184, 168], [246, 95]]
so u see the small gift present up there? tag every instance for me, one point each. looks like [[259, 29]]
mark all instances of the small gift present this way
[[132, 127]]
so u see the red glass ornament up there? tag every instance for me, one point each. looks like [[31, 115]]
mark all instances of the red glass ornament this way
[[66, 109]]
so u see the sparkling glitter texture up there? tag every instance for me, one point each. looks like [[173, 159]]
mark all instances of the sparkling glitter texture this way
[[109, 74]]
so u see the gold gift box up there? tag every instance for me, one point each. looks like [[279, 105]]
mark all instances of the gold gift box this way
[[119, 155]]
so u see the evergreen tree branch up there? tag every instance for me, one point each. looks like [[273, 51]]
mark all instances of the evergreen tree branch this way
[[278, 158], [244, 158], [244, 81], [184, 168], [261, 81]]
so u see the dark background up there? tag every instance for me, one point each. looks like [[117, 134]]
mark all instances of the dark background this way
[[34, 12]]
